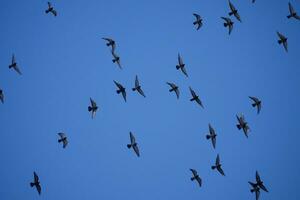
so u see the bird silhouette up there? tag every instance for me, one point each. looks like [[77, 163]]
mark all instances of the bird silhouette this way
[[228, 23], [93, 107], [121, 89], [51, 10], [242, 124], [110, 42], [137, 87], [212, 136], [293, 13], [255, 189], [196, 177], [133, 144], [181, 65], [234, 11], [259, 182], [283, 40], [116, 59], [174, 88], [1, 96], [198, 21], [14, 65], [63, 139], [195, 97], [218, 166], [256, 103], [36, 183]]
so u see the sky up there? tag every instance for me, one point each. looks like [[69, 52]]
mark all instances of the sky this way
[[64, 62]]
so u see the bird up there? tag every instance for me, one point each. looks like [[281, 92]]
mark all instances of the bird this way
[[137, 87], [174, 88], [63, 139], [93, 107], [255, 189], [36, 183], [51, 9], [121, 89], [133, 144], [292, 13], [110, 42], [195, 97], [181, 65], [14, 65], [198, 21], [228, 23], [212, 135], [218, 166], [196, 177], [1, 96], [242, 124], [283, 40], [116, 59], [234, 11], [256, 103], [259, 182]]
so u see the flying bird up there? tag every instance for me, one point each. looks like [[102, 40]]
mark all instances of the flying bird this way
[[1, 96], [174, 88], [283, 40], [228, 23], [36, 183], [63, 139], [133, 144], [137, 87], [212, 135], [242, 124], [293, 13], [110, 42], [51, 9], [181, 65], [234, 11], [196, 177], [256, 103], [198, 21], [255, 189], [93, 107], [260, 183], [195, 97], [218, 166], [116, 59], [14, 65], [121, 89]]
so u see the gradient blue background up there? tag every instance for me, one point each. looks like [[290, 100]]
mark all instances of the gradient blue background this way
[[65, 62]]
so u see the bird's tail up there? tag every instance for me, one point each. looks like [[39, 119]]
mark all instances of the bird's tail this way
[[225, 24], [118, 91], [129, 146], [279, 41], [253, 105], [208, 137], [31, 184], [89, 108], [177, 66], [289, 16], [238, 126], [193, 178], [213, 167], [133, 89]]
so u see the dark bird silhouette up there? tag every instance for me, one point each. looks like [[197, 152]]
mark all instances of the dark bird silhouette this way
[[234, 11], [196, 177], [63, 139], [181, 65], [133, 144], [137, 87], [51, 10], [14, 65], [36, 183], [198, 21], [195, 97], [1, 96], [174, 88], [93, 107], [283, 40], [260, 183], [253, 1], [293, 13], [218, 166], [255, 189], [242, 124], [116, 59], [212, 135], [228, 23], [256, 103], [110, 42], [121, 89]]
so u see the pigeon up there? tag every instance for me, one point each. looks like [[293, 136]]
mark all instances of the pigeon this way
[[63, 139], [259, 182], [36, 183], [228, 23], [137, 86], [174, 88], [116, 59], [195, 97], [198, 21], [14, 65], [196, 177], [292, 12], [256, 102], [283, 40], [218, 166], [234, 11], [121, 89], [255, 189], [133, 144], [181, 65], [212, 135], [110, 42], [51, 9], [93, 107], [242, 124], [1, 96]]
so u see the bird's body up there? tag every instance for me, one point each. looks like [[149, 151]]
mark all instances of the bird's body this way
[[218, 166], [228, 23], [195, 97], [242, 124], [137, 87], [133, 144], [51, 9], [63, 139], [121, 90], [198, 22], [93, 107], [283, 40], [181, 66], [174, 88], [196, 177], [212, 135], [256, 103], [14, 65], [36, 183]]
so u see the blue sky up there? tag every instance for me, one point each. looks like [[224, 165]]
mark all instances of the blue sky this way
[[65, 62]]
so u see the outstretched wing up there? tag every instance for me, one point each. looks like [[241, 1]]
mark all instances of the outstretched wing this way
[[257, 177], [231, 6], [54, 12], [177, 92], [218, 160], [62, 135], [124, 95], [49, 4], [226, 19], [194, 172], [13, 60], [199, 180], [180, 61], [281, 36], [221, 170], [141, 91], [36, 177], [93, 103], [238, 17], [254, 99], [285, 45], [1, 96], [118, 85], [257, 193], [136, 150], [184, 71], [198, 17], [136, 83], [291, 8], [38, 188], [16, 68], [132, 138]]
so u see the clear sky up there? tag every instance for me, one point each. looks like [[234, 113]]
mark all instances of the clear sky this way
[[65, 62]]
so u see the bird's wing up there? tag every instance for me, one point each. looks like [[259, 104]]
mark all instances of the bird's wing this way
[[211, 130], [136, 150], [107, 39], [226, 19], [199, 180], [231, 6], [198, 17], [62, 135], [118, 84], [177, 93], [218, 160], [36, 177], [257, 193], [199, 102], [252, 184], [2, 97], [258, 108], [285, 45], [282, 37], [172, 85], [136, 83], [13, 60], [184, 71], [194, 172], [291, 8], [141, 91], [54, 12], [65, 143], [132, 138], [254, 99], [214, 141], [263, 188], [124, 95], [38, 188], [297, 17], [93, 103], [257, 177], [238, 17], [192, 92], [221, 170], [180, 61], [230, 27], [49, 4], [17, 69]]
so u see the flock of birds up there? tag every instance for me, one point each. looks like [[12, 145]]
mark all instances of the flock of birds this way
[[256, 186]]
